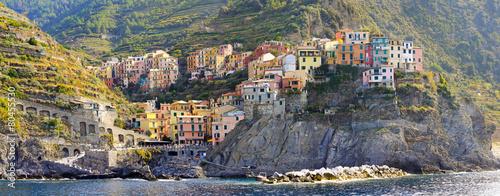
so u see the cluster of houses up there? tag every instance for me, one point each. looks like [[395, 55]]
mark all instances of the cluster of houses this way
[[273, 67], [153, 70], [194, 122]]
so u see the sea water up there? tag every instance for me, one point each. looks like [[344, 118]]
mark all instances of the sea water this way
[[481, 183]]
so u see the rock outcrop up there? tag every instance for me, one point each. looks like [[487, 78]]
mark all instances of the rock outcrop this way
[[452, 135], [336, 174]]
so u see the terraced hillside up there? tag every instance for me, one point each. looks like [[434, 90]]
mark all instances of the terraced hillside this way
[[38, 67], [118, 27]]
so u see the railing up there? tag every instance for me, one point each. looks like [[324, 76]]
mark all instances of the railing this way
[[182, 130], [188, 121]]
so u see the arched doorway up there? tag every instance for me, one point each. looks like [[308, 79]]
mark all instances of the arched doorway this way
[[121, 139], [66, 152], [91, 128], [20, 107], [83, 128], [44, 113], [76, 152], [31, 110], [110, 131]]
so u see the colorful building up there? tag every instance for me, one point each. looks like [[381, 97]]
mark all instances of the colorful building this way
[[379, 77], [380, 51], [223, 123], [191, 129], [309, 58]]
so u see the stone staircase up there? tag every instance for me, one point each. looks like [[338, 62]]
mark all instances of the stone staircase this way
[[68, 164]]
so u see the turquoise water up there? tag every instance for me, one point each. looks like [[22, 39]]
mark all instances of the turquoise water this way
[[484, 183]]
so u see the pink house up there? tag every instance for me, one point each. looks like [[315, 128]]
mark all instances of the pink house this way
[[224, 124], [383, 76], [418, 56], [191, 129]]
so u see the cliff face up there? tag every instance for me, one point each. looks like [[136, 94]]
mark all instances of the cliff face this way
[[451, 135]]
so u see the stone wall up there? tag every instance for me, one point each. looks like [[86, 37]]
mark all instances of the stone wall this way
[[99, 160], [258, 109], [295, 102], [87, 123]]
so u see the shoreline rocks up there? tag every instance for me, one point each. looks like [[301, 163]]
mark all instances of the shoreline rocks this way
[[337, 174]]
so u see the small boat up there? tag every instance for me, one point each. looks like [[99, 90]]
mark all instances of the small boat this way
[[261, 177]]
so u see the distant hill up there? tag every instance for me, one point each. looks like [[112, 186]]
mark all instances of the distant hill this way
[[118, 27], [39, 67]]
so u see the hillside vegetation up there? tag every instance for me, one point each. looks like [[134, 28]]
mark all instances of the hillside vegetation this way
[[118, 27], [38, 67]]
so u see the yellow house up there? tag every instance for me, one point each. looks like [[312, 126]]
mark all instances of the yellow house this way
[[150, 123], [309, 58], [329, 51]]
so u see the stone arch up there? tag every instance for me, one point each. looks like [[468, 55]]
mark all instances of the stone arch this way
[[121, 139], [76, 152], [129, 139], [91, 128], [31, 110], [20, 107], [44, 113], [110, 131], [66, 152], [83, 128], [55, 115], [102, 129]]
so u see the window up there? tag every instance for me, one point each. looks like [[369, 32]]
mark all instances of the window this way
[[350, 48], [314, 59], [391, 77], [343, 48], [225, 127], [217, 135], [303, 67], [392, 55], [392, 47], [360, 55], [376, 51], [399, 55], [225, 134], [237, 118], [404, 51], [384, 77], [156, 131], [413, 51], [216, 127], [192, 134], [419, 60], [181, 134], [272, 76], [376, 77], [383, 70], [200, 134], [384, 84], [304, 59], [390, 70], [361, 47], [385, 51], [343, 56], [261, 90], [175, 114]]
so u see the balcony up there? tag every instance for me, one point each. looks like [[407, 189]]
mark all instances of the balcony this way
[[188, 121], [347, 51], [358, 59], [380, 48]]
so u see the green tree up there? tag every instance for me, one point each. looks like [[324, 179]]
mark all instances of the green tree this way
[[33, 41]]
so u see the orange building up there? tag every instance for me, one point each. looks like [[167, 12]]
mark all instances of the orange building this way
[[351, 54]]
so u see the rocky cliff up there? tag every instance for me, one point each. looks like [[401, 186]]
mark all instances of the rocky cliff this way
[[423, 130]]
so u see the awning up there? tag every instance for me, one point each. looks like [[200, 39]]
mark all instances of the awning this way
[[210, 140]]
